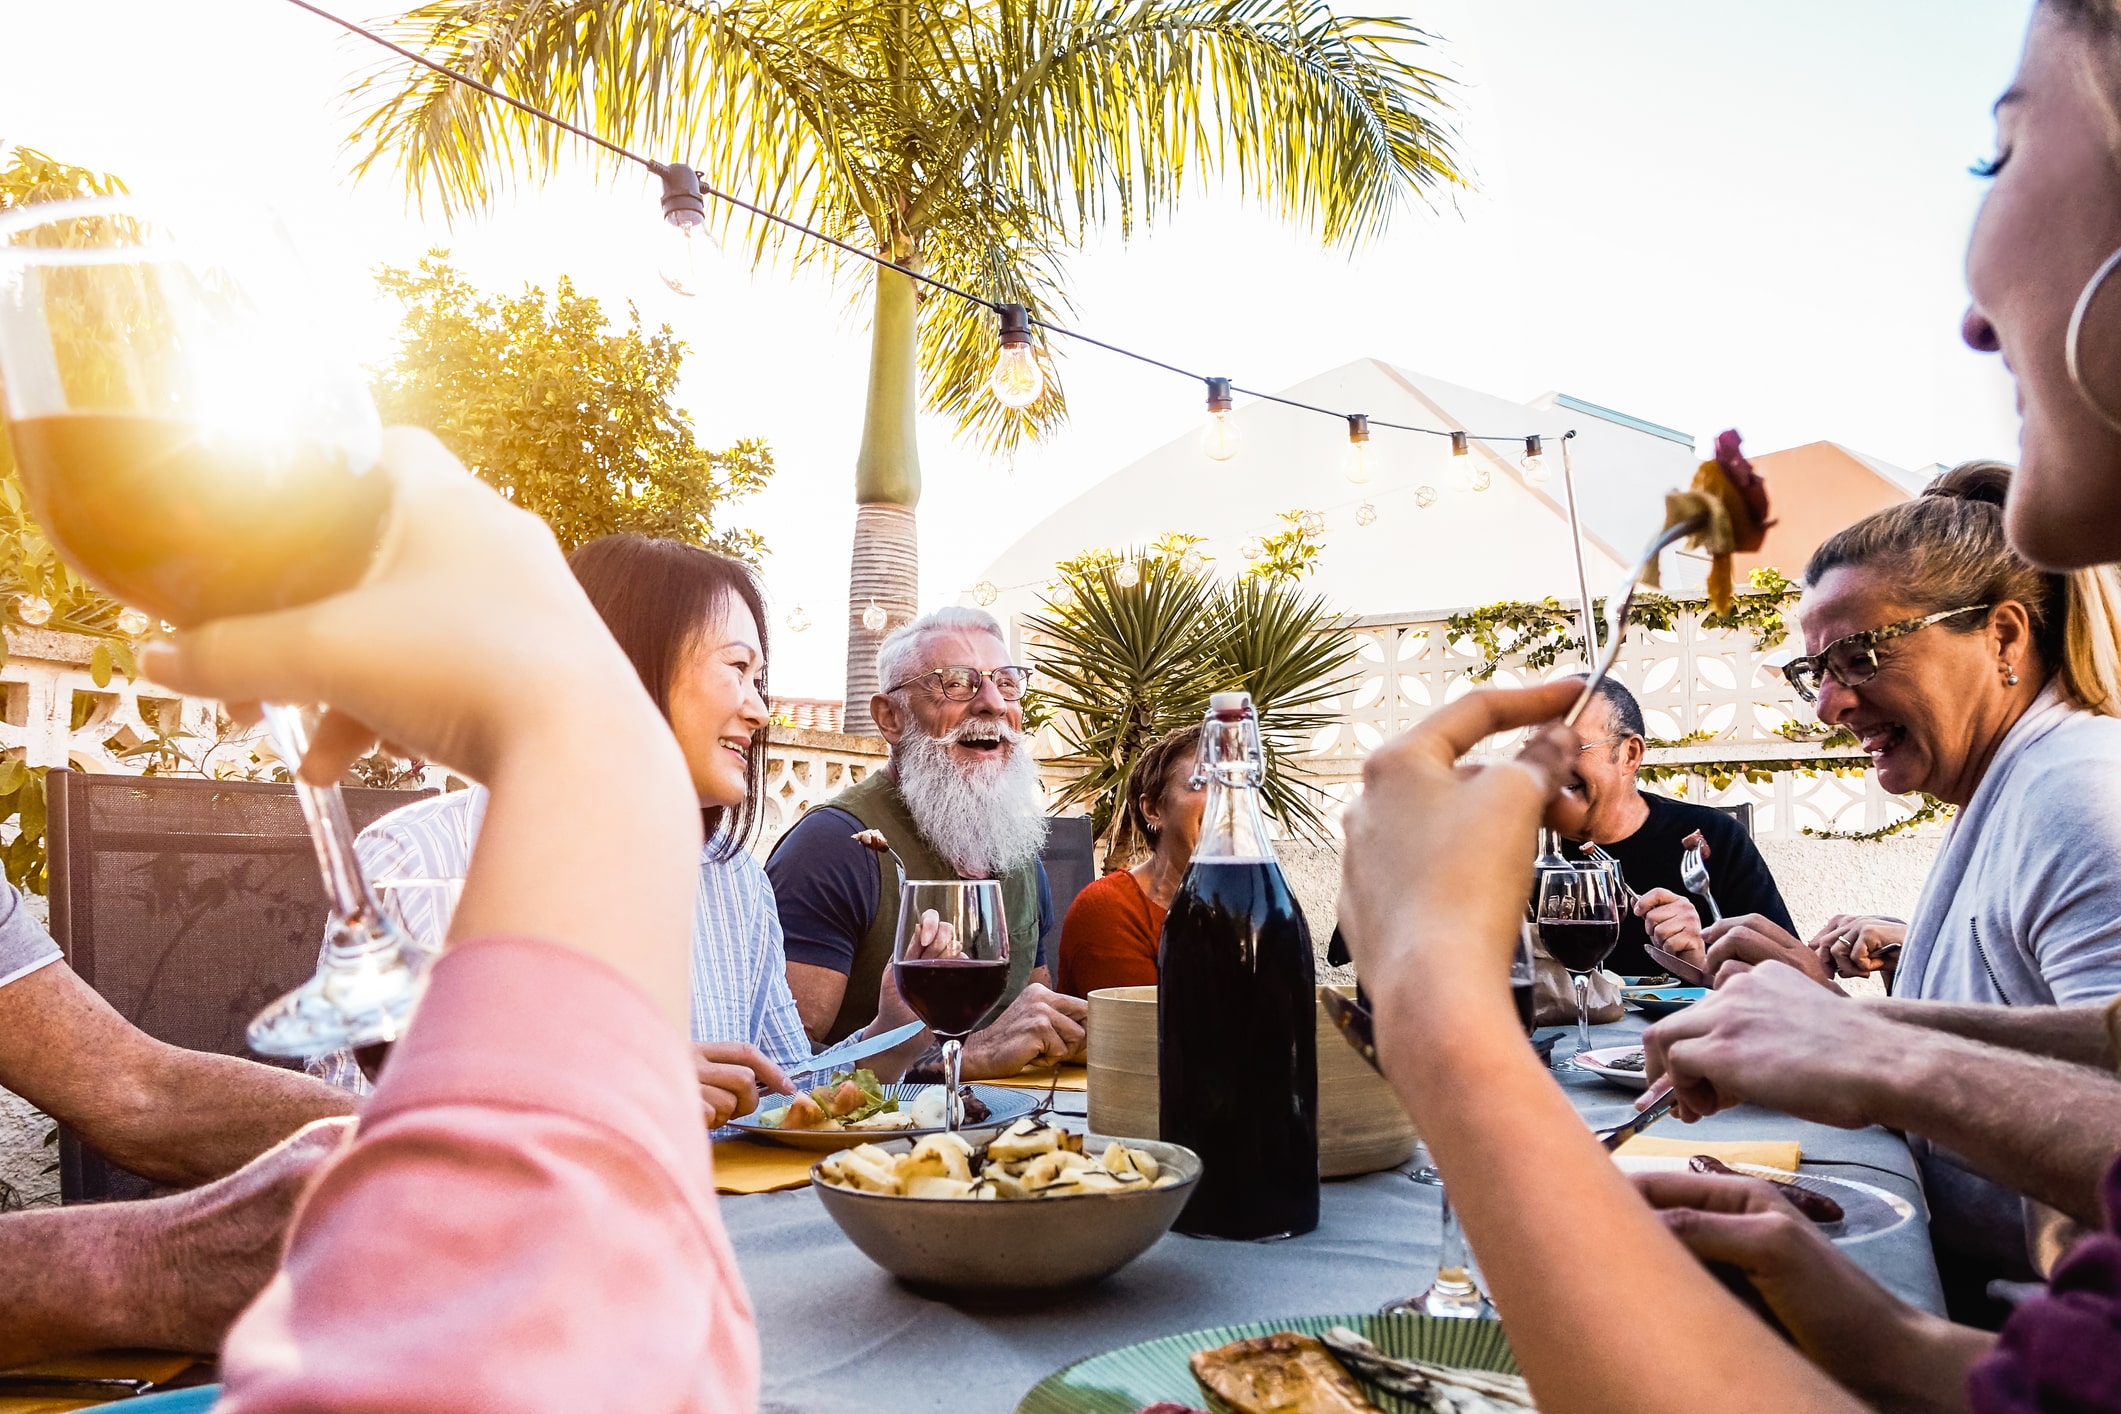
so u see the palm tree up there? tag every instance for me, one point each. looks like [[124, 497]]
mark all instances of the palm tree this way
[[974, 140]]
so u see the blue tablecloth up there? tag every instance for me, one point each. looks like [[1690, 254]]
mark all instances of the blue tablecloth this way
[[841, 1335]]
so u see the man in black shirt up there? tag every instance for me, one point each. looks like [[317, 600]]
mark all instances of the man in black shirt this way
[[1644, 832]]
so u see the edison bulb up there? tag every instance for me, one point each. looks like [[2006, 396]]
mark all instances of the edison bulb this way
[[1219, 438], [798, 620], [33, 609], [1192, 562], [1480, 479], [681, 251], [1535, 467], [132, 622], [1017, 380], [984, 593], [1312, 522], [874, 618], [1425, 496], [1126, 574], [1366, 514], [1251, 550], [1356, 467]]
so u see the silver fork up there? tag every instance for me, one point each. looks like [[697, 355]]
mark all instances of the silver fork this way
[[1595, 852], [1694, 873]]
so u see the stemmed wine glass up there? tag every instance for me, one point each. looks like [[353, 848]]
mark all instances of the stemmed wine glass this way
[[193, 445], [950, 959], [1577, 910], [1453, 1292]]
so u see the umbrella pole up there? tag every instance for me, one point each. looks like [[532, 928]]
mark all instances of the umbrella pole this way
[[1583, 578]]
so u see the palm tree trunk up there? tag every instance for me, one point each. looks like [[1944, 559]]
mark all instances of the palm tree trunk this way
[[887, 487]]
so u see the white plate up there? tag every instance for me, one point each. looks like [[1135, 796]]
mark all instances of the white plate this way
[[1007, 1106], [1600, 1064], [1865, 1211]]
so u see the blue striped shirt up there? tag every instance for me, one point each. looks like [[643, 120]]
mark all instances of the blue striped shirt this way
[[739, 972]]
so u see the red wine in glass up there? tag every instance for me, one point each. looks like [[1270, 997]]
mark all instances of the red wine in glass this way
[[1580, 945], [1521, 993], [951, 994]]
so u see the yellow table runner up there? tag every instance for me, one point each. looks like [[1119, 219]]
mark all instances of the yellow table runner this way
[[123, 1365], [1784, 1154], [1072, 1077]]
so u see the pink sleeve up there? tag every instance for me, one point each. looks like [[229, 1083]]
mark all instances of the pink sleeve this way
[[524, 1221]]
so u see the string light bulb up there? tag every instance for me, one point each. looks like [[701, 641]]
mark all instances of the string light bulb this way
[[1192, 562], [1534, 460], [1357, 467], [984, 593], [874, 618], [1311, 523], [1478, 479], [1461, 445], [132, 622], [1466, 474], [1219, 438], [1425, 496], [684, 228], [1252, 550], [798, 619], [1017, 379], [1126, 574], [33, 609], [1366, 514]]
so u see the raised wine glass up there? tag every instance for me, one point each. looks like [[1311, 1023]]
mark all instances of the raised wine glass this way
[[950, 959], [192, 443], [1577, 911]]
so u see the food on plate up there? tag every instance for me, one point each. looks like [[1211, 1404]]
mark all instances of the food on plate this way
[[1284, 1373], [1808, 1201], [1446, 1389], [929, 1111], [1633, 1061], [1165, 1406], [849, 1100], [1030, 1159], [1730, 501]]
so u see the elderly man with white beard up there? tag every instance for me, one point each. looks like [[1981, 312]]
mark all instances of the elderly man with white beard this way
[[959, 799]]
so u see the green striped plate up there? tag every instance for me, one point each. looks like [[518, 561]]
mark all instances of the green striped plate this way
[[1122, 1381]]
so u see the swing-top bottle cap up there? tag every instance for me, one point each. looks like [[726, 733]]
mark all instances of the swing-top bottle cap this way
[[1223, 702]]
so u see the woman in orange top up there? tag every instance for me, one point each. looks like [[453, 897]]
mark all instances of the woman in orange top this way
[[1110, 935]]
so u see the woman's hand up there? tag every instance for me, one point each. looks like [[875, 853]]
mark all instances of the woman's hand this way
[[1854, 944], [1438, 863], [1851, 1327], [732, 1076], [1736, 945]]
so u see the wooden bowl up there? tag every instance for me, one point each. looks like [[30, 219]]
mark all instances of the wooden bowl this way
[[1361, 1125]]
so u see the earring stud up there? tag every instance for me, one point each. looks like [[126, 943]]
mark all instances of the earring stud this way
[[2010, 677]]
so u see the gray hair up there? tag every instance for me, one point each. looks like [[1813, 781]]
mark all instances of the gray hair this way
[[899, 655]]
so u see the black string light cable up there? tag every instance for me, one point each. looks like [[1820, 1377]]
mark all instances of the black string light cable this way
[[683, 205]]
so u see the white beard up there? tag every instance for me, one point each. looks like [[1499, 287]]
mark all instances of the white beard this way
[[987, 819]]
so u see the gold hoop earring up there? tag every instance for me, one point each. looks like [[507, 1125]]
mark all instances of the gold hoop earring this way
[[2070, 357]]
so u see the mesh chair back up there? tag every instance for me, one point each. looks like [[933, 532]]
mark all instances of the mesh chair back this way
[[188, 904], [1070, 857]]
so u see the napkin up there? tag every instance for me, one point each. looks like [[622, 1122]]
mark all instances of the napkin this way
[[133, 1365], [1784, 1154], [1072, 1077], [752, 1166]]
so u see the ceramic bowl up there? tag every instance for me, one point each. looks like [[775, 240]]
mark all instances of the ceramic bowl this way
[[1011, 1245]]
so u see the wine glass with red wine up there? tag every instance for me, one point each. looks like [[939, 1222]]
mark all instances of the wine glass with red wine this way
[[194, 444], [950, 959], [1577, 911]]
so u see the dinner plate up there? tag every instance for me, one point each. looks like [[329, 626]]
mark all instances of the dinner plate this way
[[1663, 1001], [1122, 1381], [1600, 1064], [1007, 1106], [1866, 1211]]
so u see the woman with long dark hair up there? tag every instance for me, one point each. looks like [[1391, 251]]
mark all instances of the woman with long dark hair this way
[[693, 624]]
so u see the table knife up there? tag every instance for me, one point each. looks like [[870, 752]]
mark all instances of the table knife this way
[[1351, 1018], [1679, 967], [1655, 1106], [855, 1048]]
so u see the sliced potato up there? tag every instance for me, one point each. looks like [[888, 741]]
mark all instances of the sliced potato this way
[[951, 1155], [938, 1188]]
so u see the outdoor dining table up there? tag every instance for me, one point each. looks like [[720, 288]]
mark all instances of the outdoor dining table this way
[[838, 1333]]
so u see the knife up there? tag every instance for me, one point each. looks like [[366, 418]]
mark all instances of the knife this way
[[855, 1048], [1679, 967], [1351, 1018], [1655, 1106]]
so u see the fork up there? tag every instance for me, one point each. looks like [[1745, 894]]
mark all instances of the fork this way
[[1694, 873], [1596, 853]]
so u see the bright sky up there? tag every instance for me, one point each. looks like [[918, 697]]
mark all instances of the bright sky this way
[[1707, 215]]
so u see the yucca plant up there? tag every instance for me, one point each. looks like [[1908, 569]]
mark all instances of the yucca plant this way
[[1121, 664], [978, 141]]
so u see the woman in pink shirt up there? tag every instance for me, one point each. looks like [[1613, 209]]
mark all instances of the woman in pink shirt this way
[[525, 1218]]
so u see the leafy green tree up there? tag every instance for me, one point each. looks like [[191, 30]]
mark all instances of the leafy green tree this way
[[1120, 664], [564, 415], [975, 140]]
